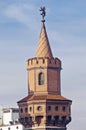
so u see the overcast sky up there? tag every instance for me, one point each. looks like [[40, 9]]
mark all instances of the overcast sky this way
[[20, 25]]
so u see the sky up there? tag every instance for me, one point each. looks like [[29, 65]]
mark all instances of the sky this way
[[20, 25]]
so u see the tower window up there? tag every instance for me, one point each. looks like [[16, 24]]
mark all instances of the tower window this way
[[26, 109], [30, 108], [39, 108], [43, 61], [49, 119], [69, 109], [21, 120], [26, 119], [41, 79], [56, 108], [64, 108], [49, 108], [21, 110], [56, 118]]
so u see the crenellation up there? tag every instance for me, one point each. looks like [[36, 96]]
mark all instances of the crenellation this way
[[43, 61]]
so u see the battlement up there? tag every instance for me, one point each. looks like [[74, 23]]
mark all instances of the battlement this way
[[44, 62]]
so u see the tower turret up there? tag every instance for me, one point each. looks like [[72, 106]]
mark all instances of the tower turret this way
[[44, 69], [44, 108]]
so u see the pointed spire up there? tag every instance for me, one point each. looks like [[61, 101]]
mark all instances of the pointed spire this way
[[43, 49]]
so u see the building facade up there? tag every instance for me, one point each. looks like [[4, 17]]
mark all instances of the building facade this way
[[44, 108], [10, 119], [10, 115], [12, 127]]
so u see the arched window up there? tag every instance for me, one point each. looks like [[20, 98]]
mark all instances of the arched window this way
[[41, 79]]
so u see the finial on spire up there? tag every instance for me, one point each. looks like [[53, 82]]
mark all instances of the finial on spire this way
[[43, 13], [43, 49]]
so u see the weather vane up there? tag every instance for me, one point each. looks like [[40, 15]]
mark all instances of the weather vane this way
[[43, 13]]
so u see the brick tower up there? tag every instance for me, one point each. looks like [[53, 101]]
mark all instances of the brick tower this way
[[44, 108]]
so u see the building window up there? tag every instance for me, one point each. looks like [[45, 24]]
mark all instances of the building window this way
[[8, 128], [69, 109], [49, 108], [17, 127], [30, 108], [36, 62], [64, 108], [21, 110], [26, 119], [63, 119], [49, 119], [56, 118], [43, 61], [21, 119], [41, 79], [15, 111], [39, 108], [56, 108], [31, 118], [26, 109]]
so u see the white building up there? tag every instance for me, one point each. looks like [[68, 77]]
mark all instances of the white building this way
[[9, 119], [10, 115], [12, 127]]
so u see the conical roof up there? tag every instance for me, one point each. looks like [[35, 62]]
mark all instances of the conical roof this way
[[43, 49]]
